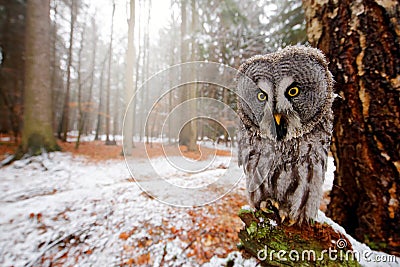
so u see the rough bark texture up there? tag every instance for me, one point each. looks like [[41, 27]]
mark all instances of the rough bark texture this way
[[361, 39], [37, 134]]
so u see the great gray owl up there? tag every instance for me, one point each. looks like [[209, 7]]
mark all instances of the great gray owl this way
[[285, 100]]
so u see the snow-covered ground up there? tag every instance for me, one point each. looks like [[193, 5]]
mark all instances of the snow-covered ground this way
[[57, 206], [66, 209]]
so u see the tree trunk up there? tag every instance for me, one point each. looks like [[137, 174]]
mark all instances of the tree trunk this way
[[361, 39], [90, 105], [185, 135], [146, 64], [37, 134], [130, 58], [65, 115], [108, 113], [192, 145], [100, 108], [138, 119], [81, 113]]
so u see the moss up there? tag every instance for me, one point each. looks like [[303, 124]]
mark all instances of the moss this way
[[252, 230], [374, 245], [281, 245], [243, 211], [36, 145]]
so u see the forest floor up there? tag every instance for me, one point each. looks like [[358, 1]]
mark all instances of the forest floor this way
[[81, 208]]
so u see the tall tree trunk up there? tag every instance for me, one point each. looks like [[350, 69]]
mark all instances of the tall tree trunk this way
[[361, 39], [53, 63], [81, 113], [90, 102], [90, 105], [184, 134], [130, 58], [37, 134], [65, 115], [192, 144], [141, 58], [146, 57], [100, 106], [108, 113]]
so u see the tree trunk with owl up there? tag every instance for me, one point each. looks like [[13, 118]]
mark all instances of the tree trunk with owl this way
[[361, 40]]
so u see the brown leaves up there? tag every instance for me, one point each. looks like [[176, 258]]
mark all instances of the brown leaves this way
[[207, 232], [140, 260], [37, 216], [215, 228], [124, 235], [97, 151]]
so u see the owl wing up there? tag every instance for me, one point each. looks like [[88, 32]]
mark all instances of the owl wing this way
[[257, 159]]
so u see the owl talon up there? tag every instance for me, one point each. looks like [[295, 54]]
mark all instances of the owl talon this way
[[263, 206], [283, 219], [291, 222]]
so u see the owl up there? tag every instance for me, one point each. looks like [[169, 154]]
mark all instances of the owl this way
[[285, 109]]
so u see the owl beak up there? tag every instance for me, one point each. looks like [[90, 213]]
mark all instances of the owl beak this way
[[280, 126], [278, 118]]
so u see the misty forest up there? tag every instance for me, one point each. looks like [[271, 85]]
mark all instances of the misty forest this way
[[119, 133]]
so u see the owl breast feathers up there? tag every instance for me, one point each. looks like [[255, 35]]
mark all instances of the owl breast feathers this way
[[284, 102]]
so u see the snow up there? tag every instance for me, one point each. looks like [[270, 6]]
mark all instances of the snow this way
[[5, 139], [57, 203], [329, 175], [64, 208], [365, 255]]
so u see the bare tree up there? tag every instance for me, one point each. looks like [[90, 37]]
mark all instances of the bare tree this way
[[108, 113], [90, 103], [362, 41], [130, 58], [37, 134], [81, 113], [65, 115], [100, 108]]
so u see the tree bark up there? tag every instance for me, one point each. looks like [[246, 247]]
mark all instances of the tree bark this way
[[65, 115], [90, 105], [192, 145], [100, 109], [129, 92], [361, 39], [81, 112], [146, 65], [37, 134], [108, 113], [188, 133]]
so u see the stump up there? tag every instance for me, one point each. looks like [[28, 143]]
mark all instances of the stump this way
[[276, 244]]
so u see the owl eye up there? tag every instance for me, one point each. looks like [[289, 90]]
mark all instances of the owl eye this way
[[293, 91], [261, 96]]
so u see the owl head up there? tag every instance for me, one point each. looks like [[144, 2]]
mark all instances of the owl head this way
[[283, 95]]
